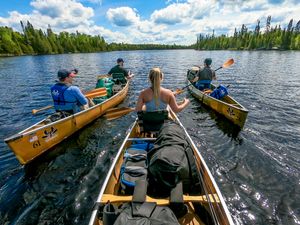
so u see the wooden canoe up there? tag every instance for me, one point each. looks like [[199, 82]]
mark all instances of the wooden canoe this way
[[227, 107], [212, 200], [33, 141]]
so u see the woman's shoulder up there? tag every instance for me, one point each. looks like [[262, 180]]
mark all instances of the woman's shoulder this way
[[166, 91], [145, 91]]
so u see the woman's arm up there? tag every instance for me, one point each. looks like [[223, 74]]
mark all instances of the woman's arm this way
[[140, 102], [173, 104]]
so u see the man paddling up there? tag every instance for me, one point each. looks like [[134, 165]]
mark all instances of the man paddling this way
[[67, 97], [119, 69], [205, 76]]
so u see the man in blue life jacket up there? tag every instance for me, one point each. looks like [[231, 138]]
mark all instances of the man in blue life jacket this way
[[205, 75], [119, 68], [67, 97]]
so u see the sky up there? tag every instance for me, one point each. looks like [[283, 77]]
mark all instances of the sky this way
[[147, 21]]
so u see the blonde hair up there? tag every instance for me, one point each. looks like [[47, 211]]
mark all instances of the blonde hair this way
[[155, 77]]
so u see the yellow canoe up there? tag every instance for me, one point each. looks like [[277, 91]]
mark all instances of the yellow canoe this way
[[212, 200], [33, 141], [227, 107]]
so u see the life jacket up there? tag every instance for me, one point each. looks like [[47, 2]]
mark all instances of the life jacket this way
[[205, 74], [57, 92]]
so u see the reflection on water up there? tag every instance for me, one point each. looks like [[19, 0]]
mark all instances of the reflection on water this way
[[257, 168]]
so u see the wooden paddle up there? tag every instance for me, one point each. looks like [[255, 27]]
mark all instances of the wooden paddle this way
[[115, 113], [227, 64], [98, 92]]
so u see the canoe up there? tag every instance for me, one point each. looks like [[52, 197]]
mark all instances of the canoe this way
[[227, 106], [212, 200], [38, 138]]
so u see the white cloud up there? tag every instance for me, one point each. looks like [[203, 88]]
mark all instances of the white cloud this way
[[67, 15], [172, 14], [123, 16], [178, 22], [93, 1]]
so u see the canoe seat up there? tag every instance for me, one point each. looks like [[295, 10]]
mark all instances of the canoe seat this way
[[160, 201], [151, 121]]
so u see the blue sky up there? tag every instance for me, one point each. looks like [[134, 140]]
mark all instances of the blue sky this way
[[145, 21]]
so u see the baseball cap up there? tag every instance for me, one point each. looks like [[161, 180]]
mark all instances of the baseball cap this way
[[208, 61], [120, 60], [63, 73]]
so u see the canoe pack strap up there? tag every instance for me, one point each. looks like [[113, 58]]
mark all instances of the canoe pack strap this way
[[140, 212], [134, 168]]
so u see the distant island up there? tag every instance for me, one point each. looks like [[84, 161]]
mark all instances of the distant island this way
[[35, 41]]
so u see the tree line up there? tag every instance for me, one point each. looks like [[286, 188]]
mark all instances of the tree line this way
[[35, 41], [257, 39]]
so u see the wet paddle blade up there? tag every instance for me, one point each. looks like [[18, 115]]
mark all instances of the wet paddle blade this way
[[115, 113], [228, 63], [178, 91], [95, 90], [100, 93]]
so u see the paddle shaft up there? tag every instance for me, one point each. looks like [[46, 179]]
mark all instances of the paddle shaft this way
[[34, 111]]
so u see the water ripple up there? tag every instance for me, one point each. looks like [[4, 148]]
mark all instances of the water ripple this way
[[257, 168]]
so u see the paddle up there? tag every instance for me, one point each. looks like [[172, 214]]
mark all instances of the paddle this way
[[98, 92], [115, 113], [34, 111], [227, 64]]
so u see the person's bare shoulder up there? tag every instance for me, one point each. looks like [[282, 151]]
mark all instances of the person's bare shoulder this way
[[145, 91], [165, 90]]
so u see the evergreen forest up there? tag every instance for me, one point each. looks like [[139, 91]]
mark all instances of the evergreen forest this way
[[35, 41], [269, 38]]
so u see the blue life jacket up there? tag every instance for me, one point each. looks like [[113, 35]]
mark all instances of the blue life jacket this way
[[57, 92], [220, 92]]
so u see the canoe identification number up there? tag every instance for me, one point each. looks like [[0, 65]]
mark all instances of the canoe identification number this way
[[230, 111], [36, 144]]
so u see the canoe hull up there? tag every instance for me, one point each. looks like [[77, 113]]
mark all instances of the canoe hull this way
[[229, 108], [110, 186], [37, 139]]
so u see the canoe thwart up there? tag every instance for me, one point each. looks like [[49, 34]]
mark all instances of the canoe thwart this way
[[164, 201], [141, 139]]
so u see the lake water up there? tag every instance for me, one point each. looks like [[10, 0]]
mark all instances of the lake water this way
[[257, 168]]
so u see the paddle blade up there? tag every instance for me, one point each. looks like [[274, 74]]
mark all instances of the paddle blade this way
[[95, 90], [228, 63], [178, 91], [115, 113], [96, 94]]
